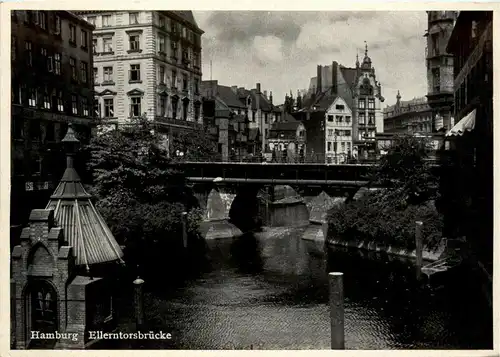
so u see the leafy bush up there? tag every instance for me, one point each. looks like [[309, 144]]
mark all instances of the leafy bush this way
[[388, 216]]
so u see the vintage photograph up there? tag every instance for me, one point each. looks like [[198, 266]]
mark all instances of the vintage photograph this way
[[251, 180]]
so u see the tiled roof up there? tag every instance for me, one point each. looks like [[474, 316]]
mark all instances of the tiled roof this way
[[349, 75], [84, 228], [229, 97], [186, 16]]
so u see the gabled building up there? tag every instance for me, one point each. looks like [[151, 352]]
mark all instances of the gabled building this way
[[338, 130], [287, 140], [252, 107], [362, 93]]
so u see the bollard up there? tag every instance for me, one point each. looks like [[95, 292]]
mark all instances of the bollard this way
[[337, 310], [418, 247], [184, 229], [139, 303]]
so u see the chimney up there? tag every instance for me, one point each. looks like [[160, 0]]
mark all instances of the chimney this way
[[271, 97], [334, 78], [319, 87], [258, 88], [265, 94], [234, 89]]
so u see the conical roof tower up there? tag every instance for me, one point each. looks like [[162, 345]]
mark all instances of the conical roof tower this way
[[84, 228]]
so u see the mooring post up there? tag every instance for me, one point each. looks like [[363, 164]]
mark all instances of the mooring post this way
[[184, 229], [337, 310], [418, 247], [139, 303]]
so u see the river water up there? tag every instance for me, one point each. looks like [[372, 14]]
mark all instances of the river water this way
[[270, 291]]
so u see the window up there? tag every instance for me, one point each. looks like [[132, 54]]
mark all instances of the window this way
[[57, 25], [342, 144], [60, 101], [196, 86], [32, 99], [175, 102], [348, 146], [109, 108], [84, 39], [72, 34], [371, 119], [85, 107], [50, 131], [133, 18], [91, 20], [162, 101], [174, 48], [174, 79], [371, 103], [347, 119], [338, 118], [135, 72], [108, 74], [57, 63], [253, 116], [184, 82], [161, 74], [18, 128], [362, 104], [185, 105], [329, 146], [96, 75], [28, 45], [265, 118], [196, 59], [362, 120], [436, 80], [84, 71], [330, 118], [43, 57], [74, 104], [330, 132], [161, 43], [50, 63], [135, 107], [94, 45], [196, 111], [107, 44], [134, 42], [72, 64], [97, 108], [339, 107], [161, 21], [42, 20], [46, 99], [35, 130], [106, 20]]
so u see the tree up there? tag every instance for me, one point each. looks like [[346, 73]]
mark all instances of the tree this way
[[407, 171], [139, 195], [195, 145]]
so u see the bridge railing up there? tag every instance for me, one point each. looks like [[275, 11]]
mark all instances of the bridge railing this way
[[310, 159]]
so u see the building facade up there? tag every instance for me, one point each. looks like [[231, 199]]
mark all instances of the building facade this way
[[287, 140], [412, 116], [471, 188], [338, 130], [254, 108], [362, 93], [440, 67], [51, 57], [147, 63]]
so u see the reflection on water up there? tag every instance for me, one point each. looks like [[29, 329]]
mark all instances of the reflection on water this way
[[270, 291]]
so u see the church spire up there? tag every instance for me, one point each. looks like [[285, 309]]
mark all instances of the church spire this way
[[357, 59], [366, 49]]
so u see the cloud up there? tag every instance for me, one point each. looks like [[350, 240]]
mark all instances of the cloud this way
[[282, 49]]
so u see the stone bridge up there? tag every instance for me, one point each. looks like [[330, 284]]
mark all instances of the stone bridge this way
[[250, 195]]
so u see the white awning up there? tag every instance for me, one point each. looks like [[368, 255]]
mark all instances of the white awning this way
[[467, 123]]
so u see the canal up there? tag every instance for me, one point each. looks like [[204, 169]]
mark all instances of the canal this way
[[270, 291]]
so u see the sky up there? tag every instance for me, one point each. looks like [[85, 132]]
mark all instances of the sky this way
[[281, 50]]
